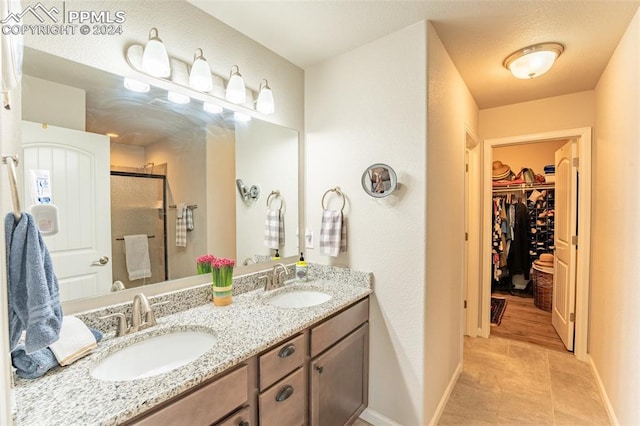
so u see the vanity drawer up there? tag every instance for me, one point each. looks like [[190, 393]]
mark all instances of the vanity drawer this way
[[241, 418], [335, 328], [284, 403], [282, 360], [207, 404]]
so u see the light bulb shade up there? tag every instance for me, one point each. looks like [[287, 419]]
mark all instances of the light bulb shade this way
[[533, 61], [200, 75], [265, 104], [136, 86], [178, 98], [155, 60], [212, 108], [236, 92]]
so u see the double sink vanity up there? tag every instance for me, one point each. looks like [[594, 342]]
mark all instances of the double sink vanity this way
[[295, 355]]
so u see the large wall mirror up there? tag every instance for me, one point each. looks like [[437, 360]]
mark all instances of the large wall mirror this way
[[123, 163]]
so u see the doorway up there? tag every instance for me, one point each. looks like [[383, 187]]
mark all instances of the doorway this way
[[581, 313]]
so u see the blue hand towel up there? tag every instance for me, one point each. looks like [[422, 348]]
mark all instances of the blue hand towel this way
[[36, 364], [34, 302]]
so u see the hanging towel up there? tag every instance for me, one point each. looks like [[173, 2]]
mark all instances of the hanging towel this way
[[35, 365], [274, 229], [136, 249], [181, 225], [33, 294], [76, 341], [333, 233], [189, 219]]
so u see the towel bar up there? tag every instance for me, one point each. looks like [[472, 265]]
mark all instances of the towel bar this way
[[148, 236], [339, 192], [189, 206]]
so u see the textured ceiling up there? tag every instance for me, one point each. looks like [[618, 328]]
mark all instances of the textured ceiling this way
[[478, 35]]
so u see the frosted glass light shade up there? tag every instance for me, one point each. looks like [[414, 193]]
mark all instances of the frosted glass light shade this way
[[265, 104], [155, 60], [136, 86], [178, 98], [212, 108], [200, 75], [236, 92], [533, 61]]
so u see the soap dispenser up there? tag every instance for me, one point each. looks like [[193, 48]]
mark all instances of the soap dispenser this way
[[276, 256], [302, 269]]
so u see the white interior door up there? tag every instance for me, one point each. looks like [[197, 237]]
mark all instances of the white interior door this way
[[564, 279], [78, 164]]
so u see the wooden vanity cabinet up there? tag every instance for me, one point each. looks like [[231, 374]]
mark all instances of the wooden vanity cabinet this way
[[339, 369], [207, 404]]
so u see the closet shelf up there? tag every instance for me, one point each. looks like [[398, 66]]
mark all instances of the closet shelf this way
[[522, 187]]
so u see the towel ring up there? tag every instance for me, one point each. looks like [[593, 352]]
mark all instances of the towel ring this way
[[275, 194], [339, 192]]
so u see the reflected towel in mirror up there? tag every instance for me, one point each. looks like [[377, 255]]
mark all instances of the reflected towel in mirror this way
[[274, 229], [137, 256]]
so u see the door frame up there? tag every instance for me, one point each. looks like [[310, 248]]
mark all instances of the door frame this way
[[473, 224], [583, 276]]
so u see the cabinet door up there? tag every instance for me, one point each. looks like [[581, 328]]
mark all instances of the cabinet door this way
[[339, 381]]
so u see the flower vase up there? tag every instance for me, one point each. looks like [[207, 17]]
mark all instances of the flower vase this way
[[222, 285]]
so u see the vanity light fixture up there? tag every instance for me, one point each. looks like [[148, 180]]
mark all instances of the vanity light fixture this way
[[136, 86], [236, 91], [155, 60], [242, 117], [200, 75], [265, 104], [112, 135], [533, 61], [212, 108], [178, 98]]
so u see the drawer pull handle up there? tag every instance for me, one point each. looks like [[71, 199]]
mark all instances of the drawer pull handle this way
[[287, 351], [319, 369], [285, 393], [243, 423]]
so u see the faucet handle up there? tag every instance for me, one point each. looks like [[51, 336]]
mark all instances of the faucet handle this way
[[268, 282], [122, 322], [150, 319]]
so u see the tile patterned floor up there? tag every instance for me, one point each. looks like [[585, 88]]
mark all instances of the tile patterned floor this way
[[507, 382]]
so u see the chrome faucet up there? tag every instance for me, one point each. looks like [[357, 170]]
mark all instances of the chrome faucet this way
[[142, 316], [248, 261], [276, 278]]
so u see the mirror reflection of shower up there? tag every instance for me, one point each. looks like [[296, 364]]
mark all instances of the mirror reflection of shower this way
[[138, 207]]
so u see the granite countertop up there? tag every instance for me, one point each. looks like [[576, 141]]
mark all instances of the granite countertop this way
[[71, 396]]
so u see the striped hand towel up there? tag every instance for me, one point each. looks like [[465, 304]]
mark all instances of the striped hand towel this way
[[189, 219], [333, 233], [181, 225], [274, 229]]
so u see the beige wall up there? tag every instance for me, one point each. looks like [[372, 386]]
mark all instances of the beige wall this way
[[451, 110], [534, 156], [543, 115], [41, 101], [363, 107], [614, 342], [127, 155]]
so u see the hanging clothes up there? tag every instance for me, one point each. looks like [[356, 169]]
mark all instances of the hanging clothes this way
[[519, 259]]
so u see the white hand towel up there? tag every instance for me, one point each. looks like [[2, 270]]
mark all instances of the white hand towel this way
[[76, 341], [333, 233], [137, 256], [181, 225], [274, 229]]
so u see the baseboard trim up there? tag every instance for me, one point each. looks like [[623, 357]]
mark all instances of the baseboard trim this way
[[603, 394], [377, 419], [445, 398]]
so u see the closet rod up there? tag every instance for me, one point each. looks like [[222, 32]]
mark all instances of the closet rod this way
[[523, 187]]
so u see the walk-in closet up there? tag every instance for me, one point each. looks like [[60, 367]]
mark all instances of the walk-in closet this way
[[523, 242]]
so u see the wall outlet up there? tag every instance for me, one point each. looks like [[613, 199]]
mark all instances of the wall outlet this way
[[308, 238]]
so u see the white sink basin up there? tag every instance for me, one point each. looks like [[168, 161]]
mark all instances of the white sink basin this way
[[298, 298], [154, 356]]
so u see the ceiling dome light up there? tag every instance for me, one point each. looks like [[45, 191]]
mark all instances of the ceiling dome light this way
[[265, 103], [155, 60], [136, 86], [200, 75], [212, 108], [533, 61], [236, 92], [178, 98]]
